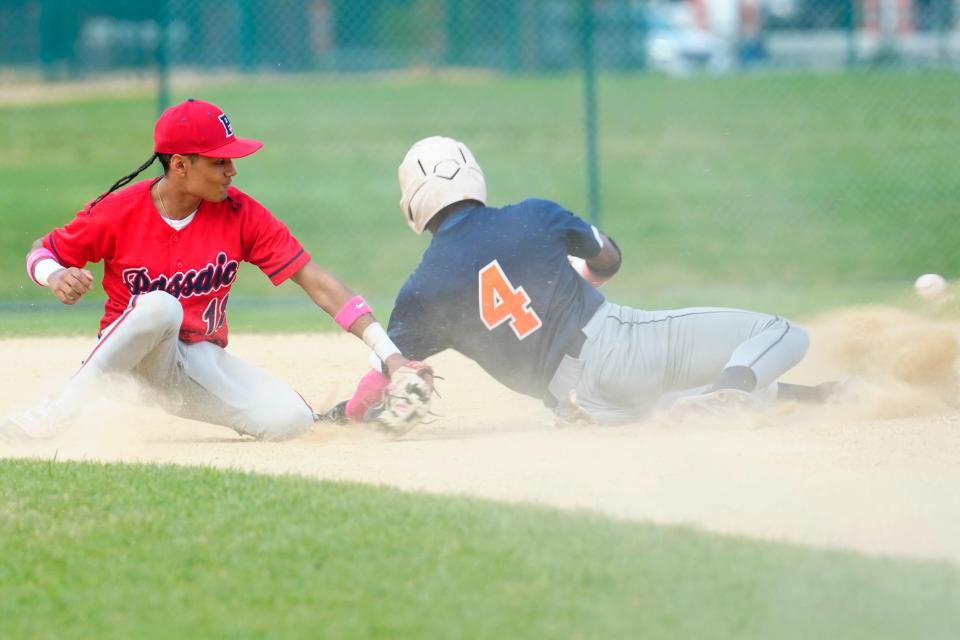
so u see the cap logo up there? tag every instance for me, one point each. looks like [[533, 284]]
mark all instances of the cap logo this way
[[225, 121]]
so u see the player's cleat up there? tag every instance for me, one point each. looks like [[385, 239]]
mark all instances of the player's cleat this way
[[337, 414], [822, 393], [36, 423], [846, 389], [827, 391], [720, 404], [12, 433]]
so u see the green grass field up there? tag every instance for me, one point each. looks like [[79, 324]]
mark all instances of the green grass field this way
[[796, 189], [111, 551]]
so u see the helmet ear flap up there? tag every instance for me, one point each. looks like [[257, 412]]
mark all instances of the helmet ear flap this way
[[435, 173], [406, 204]]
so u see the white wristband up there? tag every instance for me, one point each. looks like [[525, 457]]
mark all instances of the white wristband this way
[[378, 340], [44, 269], [583, 269]]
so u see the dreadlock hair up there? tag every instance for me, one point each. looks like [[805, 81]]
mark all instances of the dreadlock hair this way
[[125, 180]]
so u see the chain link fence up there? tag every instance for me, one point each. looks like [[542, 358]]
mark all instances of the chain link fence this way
[[718, 140], [72, 39]]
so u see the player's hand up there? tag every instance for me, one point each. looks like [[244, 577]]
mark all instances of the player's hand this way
[[396, 362], [70, 284]]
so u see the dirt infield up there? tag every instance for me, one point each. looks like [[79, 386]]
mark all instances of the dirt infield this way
[[878, 472]]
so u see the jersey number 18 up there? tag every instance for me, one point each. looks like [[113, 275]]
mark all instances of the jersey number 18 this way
[[500, 302], [216, 313]]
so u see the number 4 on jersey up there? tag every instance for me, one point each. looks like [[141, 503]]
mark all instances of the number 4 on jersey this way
[[499, 302]]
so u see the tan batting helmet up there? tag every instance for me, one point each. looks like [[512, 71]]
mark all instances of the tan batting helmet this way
[[435, 173]]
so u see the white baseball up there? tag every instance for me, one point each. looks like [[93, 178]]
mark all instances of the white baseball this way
[[930, 286]]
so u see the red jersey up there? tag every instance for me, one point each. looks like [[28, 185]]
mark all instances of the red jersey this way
[[197, 265]]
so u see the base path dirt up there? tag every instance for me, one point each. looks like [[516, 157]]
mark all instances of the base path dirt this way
[[877, 472]]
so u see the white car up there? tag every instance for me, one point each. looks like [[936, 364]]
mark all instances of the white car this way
[[674, 45]]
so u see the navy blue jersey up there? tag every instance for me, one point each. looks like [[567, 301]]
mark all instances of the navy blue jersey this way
[[495, 285]]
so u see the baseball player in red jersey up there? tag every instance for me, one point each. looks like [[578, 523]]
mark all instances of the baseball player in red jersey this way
[[171, 247]]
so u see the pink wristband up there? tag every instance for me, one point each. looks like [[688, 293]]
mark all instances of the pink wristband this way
[[36, 256], [349, 312]]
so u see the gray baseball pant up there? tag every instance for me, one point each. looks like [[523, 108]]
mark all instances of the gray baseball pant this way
[[200, 381], [634, 360]]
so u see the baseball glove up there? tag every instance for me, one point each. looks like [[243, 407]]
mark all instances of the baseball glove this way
[[406, 400]]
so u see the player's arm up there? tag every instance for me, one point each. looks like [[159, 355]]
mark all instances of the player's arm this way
[[68, 284], [598, 269], [606, 263], [349, 310], [412, 329], [592, 254]]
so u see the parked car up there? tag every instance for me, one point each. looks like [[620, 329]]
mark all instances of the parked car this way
[[674, 45]]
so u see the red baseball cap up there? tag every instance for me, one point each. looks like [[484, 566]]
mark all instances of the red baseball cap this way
[[195, 126]]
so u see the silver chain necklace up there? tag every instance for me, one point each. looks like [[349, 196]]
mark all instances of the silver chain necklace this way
[[163, 207]]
